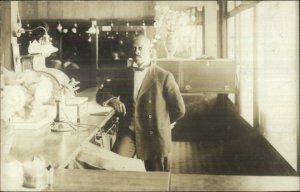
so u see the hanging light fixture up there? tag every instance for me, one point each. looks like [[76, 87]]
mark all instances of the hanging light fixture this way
[[74, 29], [43, 46], [59, 27], [65, 30], [143, 24], [93, 29], [127, 23], [90, 38]]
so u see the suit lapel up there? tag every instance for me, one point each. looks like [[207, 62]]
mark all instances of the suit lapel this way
[[130, 82], [147, 82]]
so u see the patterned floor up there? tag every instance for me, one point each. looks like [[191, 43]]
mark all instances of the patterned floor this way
[[186, 157], [224, 146]]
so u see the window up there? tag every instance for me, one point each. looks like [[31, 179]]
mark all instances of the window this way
[[263, 39], [277, 72], [240, 48]]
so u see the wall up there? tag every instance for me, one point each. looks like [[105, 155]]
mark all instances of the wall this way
[[121, 10], [4, 33], [86, 10]]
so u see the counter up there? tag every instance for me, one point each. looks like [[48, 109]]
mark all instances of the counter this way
[[100, 180], [58, 148]]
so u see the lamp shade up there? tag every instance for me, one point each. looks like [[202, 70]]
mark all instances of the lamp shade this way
[[44, 48]]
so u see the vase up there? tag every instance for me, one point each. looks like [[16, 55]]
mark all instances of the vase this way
[[171, 44], [11, 175]]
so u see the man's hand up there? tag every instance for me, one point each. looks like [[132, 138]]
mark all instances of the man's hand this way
[[173, 125], [118, 106]]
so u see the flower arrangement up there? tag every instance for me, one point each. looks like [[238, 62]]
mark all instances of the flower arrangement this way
[[23, 94], [168, 20], [168, 24]]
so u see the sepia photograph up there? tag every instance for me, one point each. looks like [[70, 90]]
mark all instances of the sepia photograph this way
[[172, 95]]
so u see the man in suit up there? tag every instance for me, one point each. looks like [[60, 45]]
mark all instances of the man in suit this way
[[149, 102]]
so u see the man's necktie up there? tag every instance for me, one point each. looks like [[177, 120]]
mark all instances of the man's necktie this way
[[140, 68]]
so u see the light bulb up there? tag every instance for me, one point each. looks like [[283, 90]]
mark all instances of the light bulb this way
[[65, 30], [74, 30], [59, 27]]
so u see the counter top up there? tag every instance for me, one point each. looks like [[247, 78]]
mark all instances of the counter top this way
[[58, 148]]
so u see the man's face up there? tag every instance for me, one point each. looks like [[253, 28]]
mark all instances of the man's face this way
[[141, 50]]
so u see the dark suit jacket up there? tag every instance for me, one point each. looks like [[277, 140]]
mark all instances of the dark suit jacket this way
[[158, 104]]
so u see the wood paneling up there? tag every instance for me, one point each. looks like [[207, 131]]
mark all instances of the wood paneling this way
[[28, 9], [184, 182], [182, 4], [8, 17], [67, 10], [97, 180], [42, 8], [86, 9]]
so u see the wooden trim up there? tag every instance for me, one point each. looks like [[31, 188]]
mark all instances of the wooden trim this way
[[101, 22], [244, 6], [203, 31], [6, 37], [223, 30], [255, 76]]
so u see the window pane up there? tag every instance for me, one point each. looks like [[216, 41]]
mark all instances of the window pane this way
[[278, 74], [230, 37], [231, 45], [246, 64]]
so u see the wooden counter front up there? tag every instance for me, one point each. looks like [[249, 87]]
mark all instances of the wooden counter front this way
[[194, 182], [100, 180]]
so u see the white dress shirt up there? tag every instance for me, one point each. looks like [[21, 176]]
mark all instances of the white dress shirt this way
[[139, 77]]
